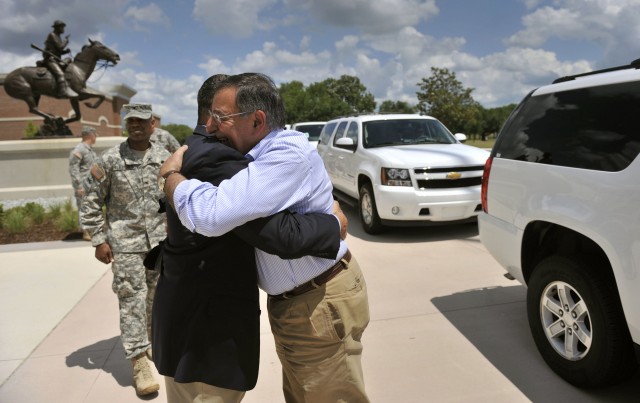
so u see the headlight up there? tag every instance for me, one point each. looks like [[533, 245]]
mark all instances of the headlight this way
[[395, 177]]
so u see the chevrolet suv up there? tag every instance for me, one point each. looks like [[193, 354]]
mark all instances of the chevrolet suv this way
[[560, 199], [402, 170]]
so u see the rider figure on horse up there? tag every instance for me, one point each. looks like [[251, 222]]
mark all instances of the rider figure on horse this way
[[54, 48]]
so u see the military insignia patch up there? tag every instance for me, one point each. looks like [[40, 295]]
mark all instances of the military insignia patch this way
[[77, 155], [97, 172]]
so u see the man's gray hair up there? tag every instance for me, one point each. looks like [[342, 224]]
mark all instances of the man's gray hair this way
[[257, 91]]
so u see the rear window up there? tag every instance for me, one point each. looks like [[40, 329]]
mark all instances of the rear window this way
[[591, 128], [313, 131]]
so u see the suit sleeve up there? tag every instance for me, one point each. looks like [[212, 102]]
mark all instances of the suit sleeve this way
[[291, 235]]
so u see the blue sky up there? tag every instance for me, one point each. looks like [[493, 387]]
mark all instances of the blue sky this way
[[500, 48]]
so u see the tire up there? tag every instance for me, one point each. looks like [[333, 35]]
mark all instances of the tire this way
[[577, 322], [368, 211]]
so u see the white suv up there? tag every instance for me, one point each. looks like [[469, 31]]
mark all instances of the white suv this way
[[312, 129], [402, 169], [560, 199]]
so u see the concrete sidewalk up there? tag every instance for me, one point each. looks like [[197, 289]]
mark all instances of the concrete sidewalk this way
[[446, 326]]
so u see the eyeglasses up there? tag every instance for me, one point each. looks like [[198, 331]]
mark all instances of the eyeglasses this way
[[219, 119]]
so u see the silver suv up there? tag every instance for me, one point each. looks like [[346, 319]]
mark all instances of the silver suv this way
[[402, 169], [560, 199]]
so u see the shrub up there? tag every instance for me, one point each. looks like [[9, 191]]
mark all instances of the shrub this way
[[15, 221], [34, 212], [67, 219], [55, 210], [31, 130]]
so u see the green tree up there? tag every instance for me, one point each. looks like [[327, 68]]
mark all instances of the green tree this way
[[296, 102], [442, 96], [397, 107], [326, 100], [493, 119], [180, 132], [352, 92]]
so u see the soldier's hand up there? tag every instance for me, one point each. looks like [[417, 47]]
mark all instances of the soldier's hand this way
[[344, 223], [103, 253], [173, 163]]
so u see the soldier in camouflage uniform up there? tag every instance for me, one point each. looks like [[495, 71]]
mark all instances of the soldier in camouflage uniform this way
[[81, 159], [164, 139], [125, 180]]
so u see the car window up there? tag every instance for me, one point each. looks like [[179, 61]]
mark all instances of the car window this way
[[326, 132], [340, 131], [405, 132], [352, 132], [313, 131], [589, 128]]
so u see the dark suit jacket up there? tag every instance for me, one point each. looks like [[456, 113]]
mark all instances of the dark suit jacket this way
[[206, 310]]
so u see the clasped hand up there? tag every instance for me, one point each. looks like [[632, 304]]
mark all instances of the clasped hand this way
[[174, 162]]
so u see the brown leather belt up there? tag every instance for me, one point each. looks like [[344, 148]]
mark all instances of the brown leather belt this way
[[318, 281]]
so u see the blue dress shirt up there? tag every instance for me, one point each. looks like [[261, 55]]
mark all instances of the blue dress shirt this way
[[286, 173]]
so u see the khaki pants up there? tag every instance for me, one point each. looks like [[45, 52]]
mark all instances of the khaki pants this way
[[318, 340], [198, 392]]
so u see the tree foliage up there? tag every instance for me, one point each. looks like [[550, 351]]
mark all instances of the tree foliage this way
[[326, 100], [442, 96], [397, 107], [493, 119]]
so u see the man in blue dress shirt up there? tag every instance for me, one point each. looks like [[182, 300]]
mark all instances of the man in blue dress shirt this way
[[318, 308]]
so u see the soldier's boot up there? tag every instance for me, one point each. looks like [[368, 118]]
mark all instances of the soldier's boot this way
[[149, 354], [64, 91], [86, 236], [143, 379]]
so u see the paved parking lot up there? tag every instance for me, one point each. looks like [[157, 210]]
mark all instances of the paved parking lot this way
[[446, 326]]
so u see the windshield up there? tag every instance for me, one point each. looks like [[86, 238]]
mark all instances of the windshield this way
[[312, 130], [381, 133]]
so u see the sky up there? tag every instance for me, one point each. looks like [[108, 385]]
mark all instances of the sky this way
[[502, 49]]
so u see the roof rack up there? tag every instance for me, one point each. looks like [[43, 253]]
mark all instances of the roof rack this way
[[633, 65]]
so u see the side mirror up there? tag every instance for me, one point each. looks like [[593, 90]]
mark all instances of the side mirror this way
[[460, 137], [346, 143]]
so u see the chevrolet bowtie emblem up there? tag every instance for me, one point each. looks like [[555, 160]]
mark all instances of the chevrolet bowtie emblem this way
[[454, 175]]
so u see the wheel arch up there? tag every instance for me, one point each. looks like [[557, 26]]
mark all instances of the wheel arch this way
[[362, 179], [542, 239]]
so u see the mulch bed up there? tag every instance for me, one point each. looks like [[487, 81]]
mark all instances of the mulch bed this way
[[38, 233]]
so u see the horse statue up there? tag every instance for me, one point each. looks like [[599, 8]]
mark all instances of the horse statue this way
[[30, 83]]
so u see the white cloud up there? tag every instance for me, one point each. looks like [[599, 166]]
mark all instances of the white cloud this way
[[374, 17], [237, 18], [610, 24], [151, 14]]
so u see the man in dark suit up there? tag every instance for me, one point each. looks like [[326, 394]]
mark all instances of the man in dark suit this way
[[206, 310]]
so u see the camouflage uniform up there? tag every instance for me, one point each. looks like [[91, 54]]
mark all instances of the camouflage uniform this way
[[81, 159], [165, 139], [128, 186]]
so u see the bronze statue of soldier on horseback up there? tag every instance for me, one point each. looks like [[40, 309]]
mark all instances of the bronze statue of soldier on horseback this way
[[60, 78]]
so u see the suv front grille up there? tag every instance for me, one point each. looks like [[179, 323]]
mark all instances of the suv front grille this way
[[448, 183], [433, 178]]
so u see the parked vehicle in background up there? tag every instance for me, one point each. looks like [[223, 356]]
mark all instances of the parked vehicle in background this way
[[402, 170], [312, 129], [560, 199]]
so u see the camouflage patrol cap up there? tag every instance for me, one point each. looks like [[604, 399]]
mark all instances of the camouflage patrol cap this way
[[88, 130], [140, 111]]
